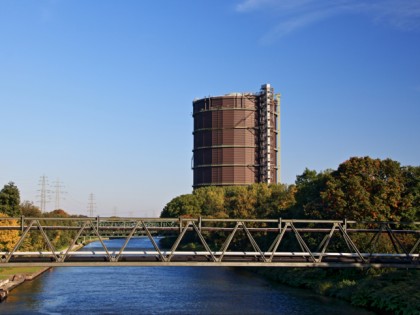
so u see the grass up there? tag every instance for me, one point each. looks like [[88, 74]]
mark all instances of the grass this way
[[387, 291], [5, 273]]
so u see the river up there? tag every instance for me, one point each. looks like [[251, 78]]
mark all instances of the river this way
[[163, 290]]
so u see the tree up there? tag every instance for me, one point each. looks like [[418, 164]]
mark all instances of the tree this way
[[261, 193], [181, 205], [10, 200], [211, 200], [361, 188], [367, 189], [28, 209], [58, 213], [309, 186], [411, 175], [281, 200], [8, 239], [60, 238], [240, 201]]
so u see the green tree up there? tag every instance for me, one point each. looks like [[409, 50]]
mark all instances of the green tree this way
[[282, 199], [59, 238], [211, 201], [260, 194], [366, 188], [10, 200], [28, 209], [182, 205], [240, 201], [309, 186], [411, 194]]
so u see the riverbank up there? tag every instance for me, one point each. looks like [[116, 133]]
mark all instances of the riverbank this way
[[11, 277], [15, 276], [383, 291]]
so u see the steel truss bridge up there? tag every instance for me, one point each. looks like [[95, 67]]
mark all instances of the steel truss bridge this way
[[216, 242]]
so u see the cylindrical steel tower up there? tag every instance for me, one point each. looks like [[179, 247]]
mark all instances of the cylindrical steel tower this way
[[235, 139]]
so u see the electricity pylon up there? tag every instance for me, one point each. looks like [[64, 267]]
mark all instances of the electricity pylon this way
[[91, 204], [43, 193], [58, 193]]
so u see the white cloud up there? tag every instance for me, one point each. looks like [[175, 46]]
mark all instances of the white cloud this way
[[292, 24], [249, 5], [297, 14], [403, 14]]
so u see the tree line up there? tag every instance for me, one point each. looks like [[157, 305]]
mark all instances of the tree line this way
[[10, 206], [361, 188]]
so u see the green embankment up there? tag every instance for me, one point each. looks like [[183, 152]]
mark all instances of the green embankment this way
[[386, 291], [6, 273]]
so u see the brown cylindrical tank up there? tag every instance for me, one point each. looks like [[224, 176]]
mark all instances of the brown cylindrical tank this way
[[235, 139], [225, 140]]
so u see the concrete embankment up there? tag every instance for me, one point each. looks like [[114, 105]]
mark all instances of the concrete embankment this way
[[9, 284]]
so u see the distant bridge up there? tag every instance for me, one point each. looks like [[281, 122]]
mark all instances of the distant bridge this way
[[217, 242]]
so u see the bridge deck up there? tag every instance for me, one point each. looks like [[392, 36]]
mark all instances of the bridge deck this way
[[227, 263], [203, 258], [313, 237]]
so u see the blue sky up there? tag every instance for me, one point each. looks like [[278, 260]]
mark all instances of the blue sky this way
[[98, 94]]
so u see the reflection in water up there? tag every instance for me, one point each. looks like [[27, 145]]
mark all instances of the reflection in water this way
[[162, 290]]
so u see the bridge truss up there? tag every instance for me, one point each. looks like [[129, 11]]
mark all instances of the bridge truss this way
[[213, 242]]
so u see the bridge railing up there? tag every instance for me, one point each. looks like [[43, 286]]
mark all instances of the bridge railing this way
[[208, 241]]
